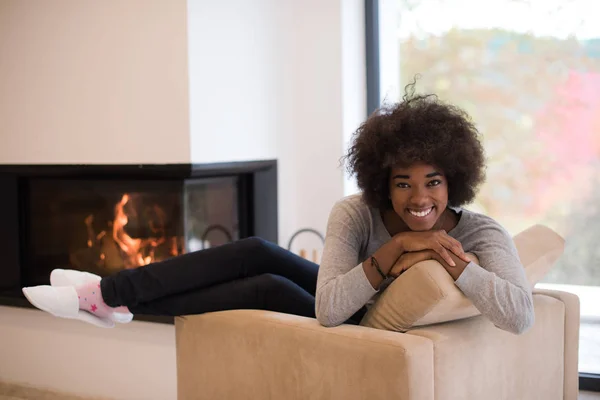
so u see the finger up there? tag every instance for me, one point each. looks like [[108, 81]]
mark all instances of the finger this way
[[464, 257], [456, 247], [396, 271], [409, 260], [460, 253], [404, 263], [437, 257], [445, 256], [449, 239]]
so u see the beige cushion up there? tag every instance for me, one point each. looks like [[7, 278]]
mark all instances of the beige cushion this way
[[539, 248], [426, 294]]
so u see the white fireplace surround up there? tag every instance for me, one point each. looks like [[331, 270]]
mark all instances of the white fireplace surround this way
[[156, 81]]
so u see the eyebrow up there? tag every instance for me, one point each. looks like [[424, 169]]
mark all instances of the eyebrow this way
[[430, 175]]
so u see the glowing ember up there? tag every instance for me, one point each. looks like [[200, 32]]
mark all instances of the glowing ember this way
[[116, 249], [138, 251]]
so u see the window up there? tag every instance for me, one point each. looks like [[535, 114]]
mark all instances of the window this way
[[528, 72]]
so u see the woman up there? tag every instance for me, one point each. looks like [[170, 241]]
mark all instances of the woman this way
[[416, 163]]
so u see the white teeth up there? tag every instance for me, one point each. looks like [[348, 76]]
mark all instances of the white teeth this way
[[421, 213]]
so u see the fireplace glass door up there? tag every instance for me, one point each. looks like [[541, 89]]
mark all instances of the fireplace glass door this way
[[104, 226]]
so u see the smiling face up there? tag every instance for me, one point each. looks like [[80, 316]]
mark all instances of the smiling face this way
[[419, 195]]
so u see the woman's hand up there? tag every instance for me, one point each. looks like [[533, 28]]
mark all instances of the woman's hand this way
[[438, 241], [407, 260]]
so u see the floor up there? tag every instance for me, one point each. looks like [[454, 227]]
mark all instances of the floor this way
[[15, 392], [589, 395]]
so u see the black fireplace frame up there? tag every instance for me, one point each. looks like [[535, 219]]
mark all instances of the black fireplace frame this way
[[257, 198]]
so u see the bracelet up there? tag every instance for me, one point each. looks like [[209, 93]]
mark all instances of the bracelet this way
[[376, 265]]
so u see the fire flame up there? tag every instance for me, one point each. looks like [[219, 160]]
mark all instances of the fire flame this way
[[133, 252]]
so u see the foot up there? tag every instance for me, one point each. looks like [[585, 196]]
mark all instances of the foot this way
[[62, 302], [81, 280], [71, 277]]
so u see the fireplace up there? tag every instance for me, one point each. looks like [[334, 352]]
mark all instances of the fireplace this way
[[106, 218]]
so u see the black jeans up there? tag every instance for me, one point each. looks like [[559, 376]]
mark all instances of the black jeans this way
[[248, 274]]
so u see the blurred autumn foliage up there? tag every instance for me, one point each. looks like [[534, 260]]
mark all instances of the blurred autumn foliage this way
[[536, 101]]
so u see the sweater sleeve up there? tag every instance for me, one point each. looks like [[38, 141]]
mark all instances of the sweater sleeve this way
[[498, 287], [342, 286]]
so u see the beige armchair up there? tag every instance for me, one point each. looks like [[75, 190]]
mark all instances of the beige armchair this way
[[248, 354]]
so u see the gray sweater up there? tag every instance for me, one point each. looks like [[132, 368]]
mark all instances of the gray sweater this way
[[498, 287]]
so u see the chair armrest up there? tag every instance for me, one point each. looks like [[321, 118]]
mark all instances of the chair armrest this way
[[572, 316], [476, 360], [262, 355]]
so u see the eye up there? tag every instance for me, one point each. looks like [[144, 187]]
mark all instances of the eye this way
[[402, 185], [435, 182]]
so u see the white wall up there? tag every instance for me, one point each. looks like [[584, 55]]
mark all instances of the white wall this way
[[267, 79], [93, 81], [354, 74], [279, 79], [233, 57], [133, 361], [309, 141]]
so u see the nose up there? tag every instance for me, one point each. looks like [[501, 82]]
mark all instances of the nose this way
[[418, 197]]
